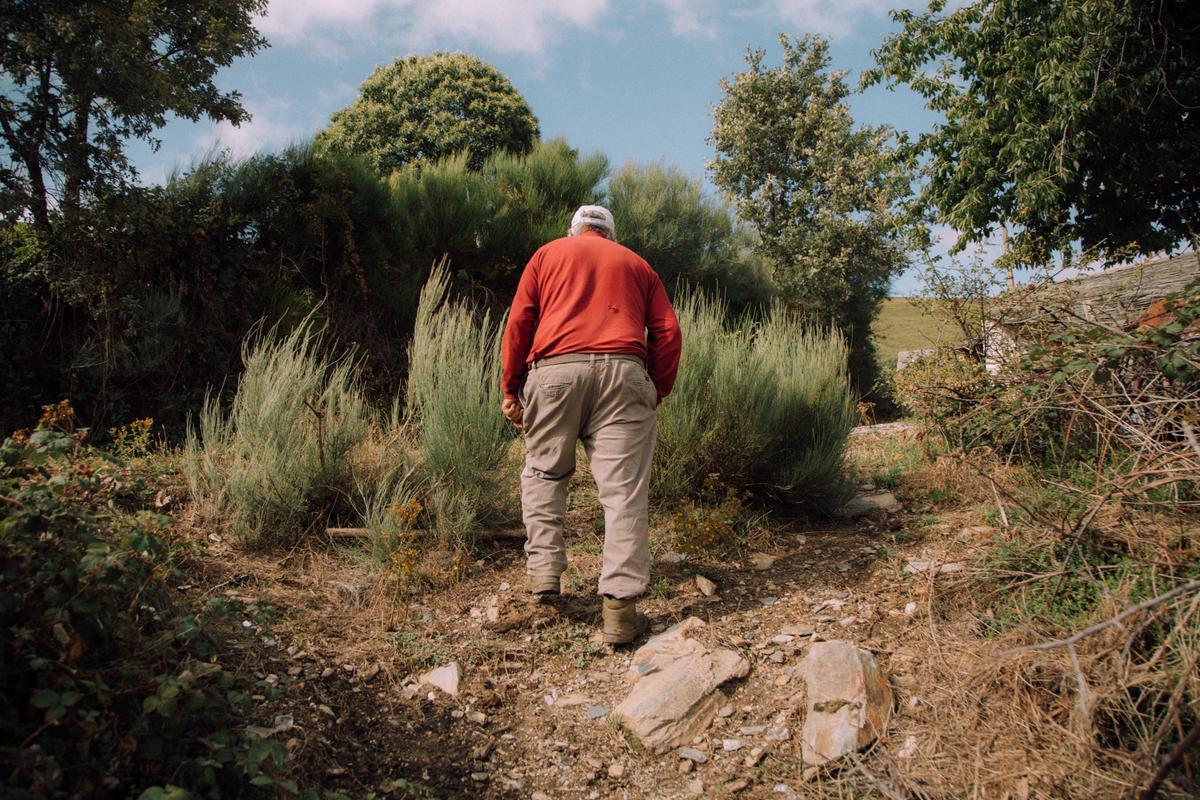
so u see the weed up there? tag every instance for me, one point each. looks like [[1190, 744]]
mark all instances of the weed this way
[[572, 582], [420, 650], [709, 524], [574, 640], [132, 440], [939, 495], [661, 589]]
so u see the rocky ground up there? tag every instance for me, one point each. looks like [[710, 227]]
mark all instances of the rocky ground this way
[[530, 712]]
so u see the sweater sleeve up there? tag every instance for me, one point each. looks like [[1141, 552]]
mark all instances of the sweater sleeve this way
[[663, 340], [518, 333]]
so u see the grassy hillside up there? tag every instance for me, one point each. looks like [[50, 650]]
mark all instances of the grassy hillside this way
[[904, 325]]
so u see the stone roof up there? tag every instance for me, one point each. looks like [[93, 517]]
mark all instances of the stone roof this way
[[1119, 296]]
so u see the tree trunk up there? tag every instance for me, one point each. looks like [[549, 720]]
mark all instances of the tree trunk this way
[[77, 170]]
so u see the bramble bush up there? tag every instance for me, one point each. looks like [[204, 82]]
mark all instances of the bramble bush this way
[[112, 685]]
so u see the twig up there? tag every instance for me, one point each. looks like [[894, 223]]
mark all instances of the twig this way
[[348, 533], [1164, 769], [999, 503], [1190, 586], [879, 785], [1084, 697], [1191, 436]]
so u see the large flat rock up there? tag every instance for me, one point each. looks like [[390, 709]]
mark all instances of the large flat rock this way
[[675, 694]]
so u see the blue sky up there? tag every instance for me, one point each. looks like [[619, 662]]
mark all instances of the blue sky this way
[[635, 81]]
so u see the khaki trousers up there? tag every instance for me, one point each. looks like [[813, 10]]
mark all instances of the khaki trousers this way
[[608, 403]]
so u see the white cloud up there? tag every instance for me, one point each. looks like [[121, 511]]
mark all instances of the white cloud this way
[[267, 130], [690, 17], [830, 17], [514, 26]]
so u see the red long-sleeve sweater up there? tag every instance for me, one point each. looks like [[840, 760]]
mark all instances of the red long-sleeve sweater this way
[[587, 294]]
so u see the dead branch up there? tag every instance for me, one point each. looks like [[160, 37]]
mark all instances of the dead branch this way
[[1190, 586]]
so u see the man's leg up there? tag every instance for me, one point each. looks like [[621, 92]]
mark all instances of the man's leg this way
[[553, 399], [620, 448]]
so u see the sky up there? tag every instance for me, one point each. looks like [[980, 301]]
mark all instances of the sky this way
[[636, 81]]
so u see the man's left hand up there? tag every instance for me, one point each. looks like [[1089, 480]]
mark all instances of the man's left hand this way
[[513, 412]]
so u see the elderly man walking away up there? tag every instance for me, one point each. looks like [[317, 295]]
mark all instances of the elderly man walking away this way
[[591, 349]]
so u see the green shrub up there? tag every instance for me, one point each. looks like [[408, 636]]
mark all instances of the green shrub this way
[[110, 683], [487, 223], [764, 406], [279, 462], [453, 402], [942, 388], [690, 239]]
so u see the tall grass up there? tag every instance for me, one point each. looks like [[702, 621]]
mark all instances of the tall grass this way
[[765, 406], [279, 462], [453, 403]]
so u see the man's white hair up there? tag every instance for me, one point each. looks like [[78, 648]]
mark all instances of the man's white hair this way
[[593, 218]]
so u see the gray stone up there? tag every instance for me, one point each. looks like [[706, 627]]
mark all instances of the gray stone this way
[[865, 504], [849, 701], [706, 587], [692, 754], [597, 711], [919, 566]]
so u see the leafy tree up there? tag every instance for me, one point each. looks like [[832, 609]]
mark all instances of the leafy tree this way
[[422, 108], [82, 76], [1067, 120], [824, 194]]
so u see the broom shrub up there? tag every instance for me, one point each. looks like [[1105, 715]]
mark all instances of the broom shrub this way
[[765, 406], [453, 403], [279, 462]]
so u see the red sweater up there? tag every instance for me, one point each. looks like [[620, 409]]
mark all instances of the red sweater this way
[[586, 294]]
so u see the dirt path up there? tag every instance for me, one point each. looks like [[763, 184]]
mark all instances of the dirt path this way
[[531, 715]]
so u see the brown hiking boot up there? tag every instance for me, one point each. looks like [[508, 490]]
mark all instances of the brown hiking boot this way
[[622, 622], [544, 585]]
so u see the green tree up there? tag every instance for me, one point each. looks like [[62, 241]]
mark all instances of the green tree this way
[[826, 196], [422, 108], [82, 76], [1069, 121]]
